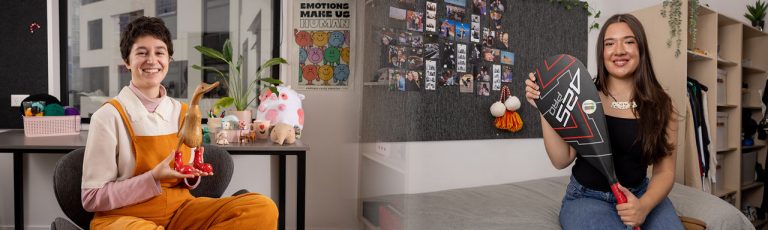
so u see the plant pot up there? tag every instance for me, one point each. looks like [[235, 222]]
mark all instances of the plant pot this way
[[761, 25], [244, 115], [755, 23]]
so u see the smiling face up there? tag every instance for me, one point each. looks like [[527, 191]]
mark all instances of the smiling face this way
[[148, 61], [620, 50]]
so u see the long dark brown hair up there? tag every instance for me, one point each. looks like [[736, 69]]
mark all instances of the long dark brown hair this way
[[654, 106]]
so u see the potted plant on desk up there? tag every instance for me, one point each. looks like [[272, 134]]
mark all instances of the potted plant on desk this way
[[239, 92], [756, 14]]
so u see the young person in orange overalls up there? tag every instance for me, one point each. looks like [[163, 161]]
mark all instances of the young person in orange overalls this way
[[127, 178]]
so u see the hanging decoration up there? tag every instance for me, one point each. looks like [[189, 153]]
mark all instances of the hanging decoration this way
[[33, 27], [505, 111]]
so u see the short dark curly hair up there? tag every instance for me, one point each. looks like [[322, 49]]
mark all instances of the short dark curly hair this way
[[142, 26]]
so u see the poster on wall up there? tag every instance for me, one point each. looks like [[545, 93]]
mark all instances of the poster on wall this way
[[322, 46]]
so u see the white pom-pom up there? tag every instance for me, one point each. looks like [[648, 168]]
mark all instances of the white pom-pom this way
[[512, 103], [498, 109]]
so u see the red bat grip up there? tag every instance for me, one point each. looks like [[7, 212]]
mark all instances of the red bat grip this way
[[620, 197]]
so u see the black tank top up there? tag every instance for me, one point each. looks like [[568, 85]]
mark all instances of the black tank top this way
[[627, 158]]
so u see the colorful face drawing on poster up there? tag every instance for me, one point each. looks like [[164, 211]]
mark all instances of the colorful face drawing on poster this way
[[506, 74], [507, 58], [341, 74], [466, 84], [345, 55], [479, 7], [415, 21], [302, 56], [336, 39], [303, 38], [454, 12], [324, 44], [315, 55], [332, 56], [431, 72], [496, 78], [309, 73]]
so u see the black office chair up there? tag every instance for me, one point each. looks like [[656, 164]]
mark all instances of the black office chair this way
[[67, 177]]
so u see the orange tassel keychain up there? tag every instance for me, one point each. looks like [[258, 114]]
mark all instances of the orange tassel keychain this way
[[505, 111]]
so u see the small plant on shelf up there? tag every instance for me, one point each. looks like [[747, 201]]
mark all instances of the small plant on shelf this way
[[756, 14]]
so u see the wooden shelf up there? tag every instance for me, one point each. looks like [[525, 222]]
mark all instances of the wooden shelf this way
[[752, 185], [752, 70], [751, 32], [693, 56], [723, 20], [726, 150], [726, 107], [725, 63], [725, 193], [752, 107], [750, 148]]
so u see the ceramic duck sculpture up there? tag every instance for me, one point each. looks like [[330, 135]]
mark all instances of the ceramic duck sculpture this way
[[190, 133]]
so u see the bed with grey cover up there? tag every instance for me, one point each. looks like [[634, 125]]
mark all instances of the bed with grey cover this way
[[531, 204]]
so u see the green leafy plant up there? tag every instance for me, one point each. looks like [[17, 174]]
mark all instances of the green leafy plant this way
[[591, 12], [756, 13], [239, 93], [672, 10]]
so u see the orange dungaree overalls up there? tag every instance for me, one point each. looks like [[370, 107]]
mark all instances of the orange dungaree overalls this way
[[175, 207]]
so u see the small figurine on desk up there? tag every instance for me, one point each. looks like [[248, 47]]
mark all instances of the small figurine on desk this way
[[283, 133], [221, 138]]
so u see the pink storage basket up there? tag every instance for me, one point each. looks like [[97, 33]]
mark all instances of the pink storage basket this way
[[51, 126]]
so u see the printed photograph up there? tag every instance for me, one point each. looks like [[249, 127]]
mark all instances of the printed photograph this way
[[479, 7], [475, 30], [462, 32], [506, 74], [397, 13], [454, 12], [462, 3], [483, 89], [415, 20], [504, 40], [466, 84], [447, 28], [448, 77], [507, 58], [491, 55], [413, 81]]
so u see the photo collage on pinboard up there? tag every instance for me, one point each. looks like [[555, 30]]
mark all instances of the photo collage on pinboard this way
[[449, 43]]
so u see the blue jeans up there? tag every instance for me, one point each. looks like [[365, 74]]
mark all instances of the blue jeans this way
[[584, 208]]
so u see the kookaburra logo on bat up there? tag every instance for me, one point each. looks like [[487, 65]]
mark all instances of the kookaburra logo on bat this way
[[564, 104]]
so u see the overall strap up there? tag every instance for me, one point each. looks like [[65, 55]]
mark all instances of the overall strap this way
[[124, 116]]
